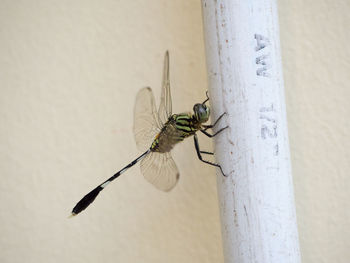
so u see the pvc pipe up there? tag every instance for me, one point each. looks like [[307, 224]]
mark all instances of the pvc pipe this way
[[245, 80]]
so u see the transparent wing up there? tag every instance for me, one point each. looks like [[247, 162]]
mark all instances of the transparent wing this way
[[146, 121], [165, 107], [160, 170]]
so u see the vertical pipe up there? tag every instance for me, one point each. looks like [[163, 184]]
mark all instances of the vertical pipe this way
[[245, 81]]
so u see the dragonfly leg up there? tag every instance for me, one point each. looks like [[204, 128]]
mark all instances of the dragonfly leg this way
[[204, 152], [206, 93], [212, 135], [196, 144], [206, 127]]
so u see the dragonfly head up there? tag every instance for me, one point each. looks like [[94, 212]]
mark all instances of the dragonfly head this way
[[201, 112]]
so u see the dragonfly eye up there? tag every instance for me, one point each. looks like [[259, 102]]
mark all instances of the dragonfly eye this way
[[201, 112]]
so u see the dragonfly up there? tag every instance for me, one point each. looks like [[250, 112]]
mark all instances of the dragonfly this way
[[156, 133]]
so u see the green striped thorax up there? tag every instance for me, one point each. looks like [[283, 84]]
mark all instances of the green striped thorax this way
[[180, 126]]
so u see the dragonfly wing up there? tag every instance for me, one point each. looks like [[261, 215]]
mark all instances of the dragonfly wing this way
[[165, 106], [146, 121], [160, 170]]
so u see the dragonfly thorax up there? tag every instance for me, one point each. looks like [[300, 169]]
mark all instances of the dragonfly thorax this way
[[176, 129]]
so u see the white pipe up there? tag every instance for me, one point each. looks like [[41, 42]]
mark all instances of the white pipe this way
[[245, 81]]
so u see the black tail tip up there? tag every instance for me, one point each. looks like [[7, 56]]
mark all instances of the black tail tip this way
[[86, 201]]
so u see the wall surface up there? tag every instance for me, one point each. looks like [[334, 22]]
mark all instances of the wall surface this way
[[315, 51], [69, 73]]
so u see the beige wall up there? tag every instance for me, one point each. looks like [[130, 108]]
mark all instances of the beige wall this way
[[315, 39], [69, 73]]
